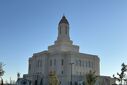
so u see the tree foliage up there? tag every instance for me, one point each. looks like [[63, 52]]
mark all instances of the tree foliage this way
[[121, 75], [90, 78], [1, 69], [1, 72], [53, 80]]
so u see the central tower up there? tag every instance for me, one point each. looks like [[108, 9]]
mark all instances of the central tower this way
[[63, 42], [63, 30]]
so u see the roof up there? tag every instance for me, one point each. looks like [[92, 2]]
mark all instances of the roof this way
[[63, 20]]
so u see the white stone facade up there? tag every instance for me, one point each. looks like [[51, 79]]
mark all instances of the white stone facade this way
[[64, 58]]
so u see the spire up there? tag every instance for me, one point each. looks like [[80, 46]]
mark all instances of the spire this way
[[63, 30], [63, 42], [63, 20]]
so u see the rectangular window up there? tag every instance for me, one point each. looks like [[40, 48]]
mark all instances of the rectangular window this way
[[86, 64], [76, 62], [50, 62], [82, 63], [79, 62], [29, 66], [62, 72], [54, 62], [80, 73], [62, 62], [89, 64], [92, 65], [38, 63]]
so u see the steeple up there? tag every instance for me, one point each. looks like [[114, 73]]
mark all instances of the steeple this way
[[63, 30], [63, 42]]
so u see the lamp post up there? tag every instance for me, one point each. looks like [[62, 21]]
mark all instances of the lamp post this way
[[71, 72]]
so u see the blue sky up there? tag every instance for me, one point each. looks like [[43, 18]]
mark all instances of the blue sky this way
[[28, 26]]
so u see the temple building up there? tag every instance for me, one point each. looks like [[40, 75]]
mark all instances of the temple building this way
[[63, 58]]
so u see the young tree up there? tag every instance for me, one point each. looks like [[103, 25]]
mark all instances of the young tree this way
[[53, 80], [90, 78], [1, 72], [1, 69], [121, 76]]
